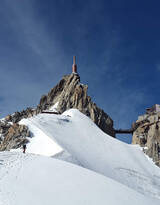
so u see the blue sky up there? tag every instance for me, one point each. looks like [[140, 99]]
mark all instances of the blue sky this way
[[116, 42]]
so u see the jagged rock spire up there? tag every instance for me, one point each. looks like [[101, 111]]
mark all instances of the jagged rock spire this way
[[70, 93]]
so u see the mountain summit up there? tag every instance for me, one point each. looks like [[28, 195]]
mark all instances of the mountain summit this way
[[70, 93]]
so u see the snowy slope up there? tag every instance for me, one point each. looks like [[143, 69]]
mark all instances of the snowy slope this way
[[83, 141], [27, 179]]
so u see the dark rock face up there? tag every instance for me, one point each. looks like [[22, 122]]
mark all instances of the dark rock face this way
[[70, 93], [12, 136], [147, 134], [17, 116]]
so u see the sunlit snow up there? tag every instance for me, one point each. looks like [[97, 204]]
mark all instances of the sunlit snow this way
[[113, 172], [77, 135]]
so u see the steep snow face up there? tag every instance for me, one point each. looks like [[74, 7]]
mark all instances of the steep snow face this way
[[40, 143], [27, 179], [77, 135]]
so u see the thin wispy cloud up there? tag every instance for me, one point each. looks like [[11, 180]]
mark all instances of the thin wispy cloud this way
[[23, 83], [158, 67], [32, 32]]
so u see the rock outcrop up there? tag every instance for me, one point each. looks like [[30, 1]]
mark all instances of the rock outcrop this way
[[70, 93], [13, 135], [147, 133]]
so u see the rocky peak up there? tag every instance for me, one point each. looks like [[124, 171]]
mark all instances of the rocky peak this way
[[70, 93], [147, 133]]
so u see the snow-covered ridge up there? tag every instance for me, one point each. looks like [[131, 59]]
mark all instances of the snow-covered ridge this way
[[77, 139]]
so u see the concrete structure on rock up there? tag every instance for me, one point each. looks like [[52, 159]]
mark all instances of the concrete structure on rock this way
[[74, 66]]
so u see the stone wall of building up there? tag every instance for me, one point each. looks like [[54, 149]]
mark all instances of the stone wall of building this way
[[147, 134]]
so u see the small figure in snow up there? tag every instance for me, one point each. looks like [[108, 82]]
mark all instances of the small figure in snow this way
[[24, 148]]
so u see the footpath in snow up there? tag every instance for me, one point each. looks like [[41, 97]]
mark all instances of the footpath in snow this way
[[27, 179]]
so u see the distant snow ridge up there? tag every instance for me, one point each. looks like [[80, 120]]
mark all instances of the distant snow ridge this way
[[78, 140]]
